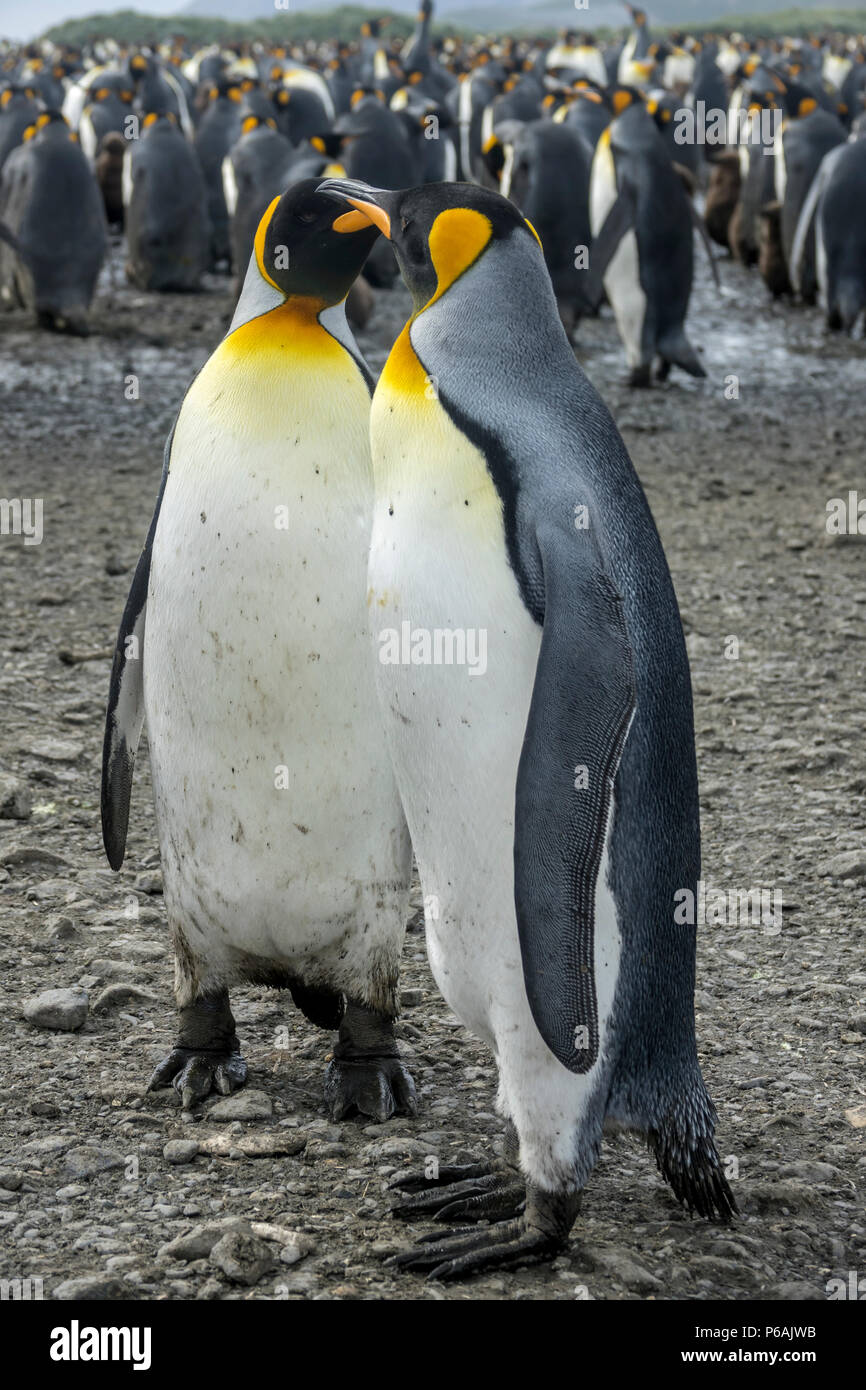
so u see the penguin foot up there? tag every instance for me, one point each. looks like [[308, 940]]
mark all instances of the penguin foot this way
[[641, 377], [378, 1087], [469, 1192], [367, 1075], [539, 1234], [206, 1056], [195, 1074]]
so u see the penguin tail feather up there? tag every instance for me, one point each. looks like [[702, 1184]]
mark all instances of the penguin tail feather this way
[[850, 303], [675, 347], [688, 1159]]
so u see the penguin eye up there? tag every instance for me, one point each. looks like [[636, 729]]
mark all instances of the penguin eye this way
[[305, 215]]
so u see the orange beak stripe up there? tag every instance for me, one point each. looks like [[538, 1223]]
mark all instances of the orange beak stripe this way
[[372, 214], [351, 222]]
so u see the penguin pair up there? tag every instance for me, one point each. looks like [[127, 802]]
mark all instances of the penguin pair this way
[[552, 802], [553, 870]]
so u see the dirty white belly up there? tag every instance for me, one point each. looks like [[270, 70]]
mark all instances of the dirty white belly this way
[[280, 826]]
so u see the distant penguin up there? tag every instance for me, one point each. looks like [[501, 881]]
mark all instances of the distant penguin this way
[[372, 144], [546, 760], [108, 169], [217, 130], [300, 113], [156, 89], [642, 224], [547, 176], [415, 55], [109, 105], [588, 111], [836, 208], [51, 204], [18, 110], [430, 128], [165, 208], [245, 645], [664, 107], [710, 95], [254, 171], [723, 194], [772, 264], [801, 144]]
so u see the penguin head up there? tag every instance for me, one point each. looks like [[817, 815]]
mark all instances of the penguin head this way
[[307, 248], [437, 230]]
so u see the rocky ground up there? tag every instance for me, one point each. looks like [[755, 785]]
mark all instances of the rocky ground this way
[[110, 1193]]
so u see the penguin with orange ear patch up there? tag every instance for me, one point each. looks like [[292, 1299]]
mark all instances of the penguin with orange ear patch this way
[[165, 208], [52, 207], [806, 135], [245, 646], [642, 224], [534, 685]]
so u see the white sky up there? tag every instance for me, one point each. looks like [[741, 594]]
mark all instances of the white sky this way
[[20, 20]]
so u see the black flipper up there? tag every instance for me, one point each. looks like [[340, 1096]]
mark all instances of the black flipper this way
[[705, 238], [125, 714], [619, 220], [582, 705]]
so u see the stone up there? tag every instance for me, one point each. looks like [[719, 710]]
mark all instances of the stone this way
[[60, 1010], [851, 864], [92, 1287], [620, 1266], [244, 1105], [243, 1257], [20, 855], [87, 1160], [16, 803], [55, 750], [149, 882], [197, 1243], [180, 1150], [809, 1171], [61, 927], [115, 996], [287, 1141]]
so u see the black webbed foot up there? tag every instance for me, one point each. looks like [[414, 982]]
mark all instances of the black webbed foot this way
[[469, 1192], [536, 1236], [367, 1075], [206, 1056]]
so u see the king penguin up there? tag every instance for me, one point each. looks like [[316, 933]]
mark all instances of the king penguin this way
[[642, 225], [245, 645], [551, 789]]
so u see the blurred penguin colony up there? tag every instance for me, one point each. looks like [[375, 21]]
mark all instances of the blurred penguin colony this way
[[608, 148]]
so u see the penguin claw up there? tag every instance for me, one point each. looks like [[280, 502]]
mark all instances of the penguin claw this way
[[506, 1245], [195, 1074], [378, 1088], [414, 1181], [489, 1197]]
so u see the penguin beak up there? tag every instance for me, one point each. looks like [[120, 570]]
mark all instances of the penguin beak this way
[[367, 202]]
